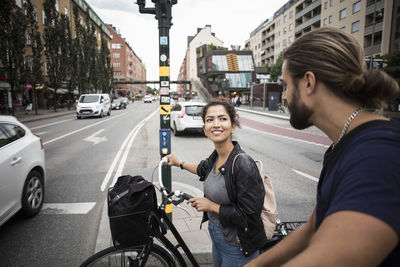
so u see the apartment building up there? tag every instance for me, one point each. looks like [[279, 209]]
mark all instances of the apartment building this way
[[188, 69], [374, 23], [127, 66]]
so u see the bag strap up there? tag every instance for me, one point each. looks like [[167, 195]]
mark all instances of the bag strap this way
[[162, 227], [118, 197]]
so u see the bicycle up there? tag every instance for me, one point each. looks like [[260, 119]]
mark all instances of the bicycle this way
[[168, 255]]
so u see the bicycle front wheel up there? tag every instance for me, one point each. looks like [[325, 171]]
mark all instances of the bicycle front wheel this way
[[113, 257]]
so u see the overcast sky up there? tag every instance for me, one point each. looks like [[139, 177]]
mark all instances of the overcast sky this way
[[230, 20]]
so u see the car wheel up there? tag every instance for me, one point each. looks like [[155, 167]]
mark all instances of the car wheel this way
[[109, 112], [176, 132], [101, 114], [78, 117], [33, 194]]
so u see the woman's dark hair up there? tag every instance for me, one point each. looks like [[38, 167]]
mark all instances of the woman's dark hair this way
[[338, 61], [227, 104]]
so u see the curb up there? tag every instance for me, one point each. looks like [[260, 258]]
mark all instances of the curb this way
[[264, 113]]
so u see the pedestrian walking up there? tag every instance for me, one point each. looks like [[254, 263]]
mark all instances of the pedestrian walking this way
[[231, 205], [356, 221]]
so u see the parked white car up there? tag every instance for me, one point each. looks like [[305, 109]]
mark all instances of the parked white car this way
[[93, 105], [186, 116], [22, 170]]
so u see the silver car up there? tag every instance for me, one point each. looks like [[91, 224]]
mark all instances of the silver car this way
[[22, 170], [186, 117]]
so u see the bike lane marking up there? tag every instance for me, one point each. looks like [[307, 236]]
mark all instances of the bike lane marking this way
[[290, 134], [81, 129], [123, 150]]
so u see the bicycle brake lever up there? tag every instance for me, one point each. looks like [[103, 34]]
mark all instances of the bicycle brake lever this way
[[190, 216]]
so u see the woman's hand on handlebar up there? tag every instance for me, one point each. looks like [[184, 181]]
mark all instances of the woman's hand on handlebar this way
[[204, 204], [173, 160]]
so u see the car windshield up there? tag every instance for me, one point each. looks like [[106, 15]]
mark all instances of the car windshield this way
[[116, 101], [89, 98], [193, 110]]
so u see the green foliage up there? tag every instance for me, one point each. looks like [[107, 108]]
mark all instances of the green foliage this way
[[276, 69], [13, 26]]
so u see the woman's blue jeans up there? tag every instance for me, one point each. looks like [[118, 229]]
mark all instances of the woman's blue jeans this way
[[224, 254]]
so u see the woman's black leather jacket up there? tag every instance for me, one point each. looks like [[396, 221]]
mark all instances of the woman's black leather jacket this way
[[245, 192]]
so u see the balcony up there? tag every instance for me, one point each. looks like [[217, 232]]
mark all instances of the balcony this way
[[372, 50], [374, 7], [308, 23], [307, 9], [370, 28]]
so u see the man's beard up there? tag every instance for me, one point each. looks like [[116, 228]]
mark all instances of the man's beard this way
[[299, 113]]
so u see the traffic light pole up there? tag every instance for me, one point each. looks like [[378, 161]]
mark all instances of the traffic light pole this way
[[162, 10]]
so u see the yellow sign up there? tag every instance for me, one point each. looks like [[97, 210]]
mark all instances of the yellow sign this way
[[165, 109], [164, 71], [168, 208]]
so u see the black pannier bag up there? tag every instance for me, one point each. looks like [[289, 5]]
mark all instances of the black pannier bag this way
[[132, 211]]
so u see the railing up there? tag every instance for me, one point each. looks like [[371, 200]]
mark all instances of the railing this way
[[308, 9], [307, 23]]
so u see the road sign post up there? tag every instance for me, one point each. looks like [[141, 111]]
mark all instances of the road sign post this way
[[162, 10]]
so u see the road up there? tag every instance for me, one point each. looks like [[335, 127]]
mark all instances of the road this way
[[83, 157]]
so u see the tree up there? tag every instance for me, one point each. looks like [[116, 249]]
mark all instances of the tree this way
[[54, 36], [392, 67], [276, 69], [34, 70], [12, 43]]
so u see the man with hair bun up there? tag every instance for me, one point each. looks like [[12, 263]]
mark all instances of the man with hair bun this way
[[356, 221]]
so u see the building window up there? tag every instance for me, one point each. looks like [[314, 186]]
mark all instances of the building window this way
[[330, 2], [116, 64], [28, 38], [291, 14], [291, 27], [18, 2], [116, 55], [325, 21], [117, 73], [66, 11], [284, 30], [356, 7], [355, 27], [290, 39], [342, 14], [343, 28], [44, 17], [330, 19], [284, 18], [326, 5]]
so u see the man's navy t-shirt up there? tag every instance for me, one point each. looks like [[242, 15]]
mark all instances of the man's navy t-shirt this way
[[365, 177]]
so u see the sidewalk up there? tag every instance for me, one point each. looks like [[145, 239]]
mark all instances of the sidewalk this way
[[42, 114]]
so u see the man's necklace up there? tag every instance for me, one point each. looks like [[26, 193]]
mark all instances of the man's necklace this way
[[346, 126]]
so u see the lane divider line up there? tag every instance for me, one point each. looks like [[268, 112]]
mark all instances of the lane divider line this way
[[312, 178], [67, 208], [54, 123]]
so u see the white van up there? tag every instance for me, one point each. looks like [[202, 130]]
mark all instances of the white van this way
[[93, 105]]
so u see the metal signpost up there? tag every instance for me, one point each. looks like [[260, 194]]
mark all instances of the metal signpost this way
[[162, 10]]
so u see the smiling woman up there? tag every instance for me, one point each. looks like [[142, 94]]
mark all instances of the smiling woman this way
[[233, 200]]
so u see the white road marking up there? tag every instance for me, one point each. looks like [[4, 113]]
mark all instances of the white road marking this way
[[41, 133], [312, 178], [125, 147], [95, 139], [81, 129], [67, 208], [286, 137], [45, 125]]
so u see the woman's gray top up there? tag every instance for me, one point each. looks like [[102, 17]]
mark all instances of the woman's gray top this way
[[215, 190]]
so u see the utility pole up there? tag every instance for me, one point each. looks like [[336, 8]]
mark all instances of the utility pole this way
[[162, 10]]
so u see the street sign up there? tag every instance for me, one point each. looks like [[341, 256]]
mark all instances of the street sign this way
[[165, 109]]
